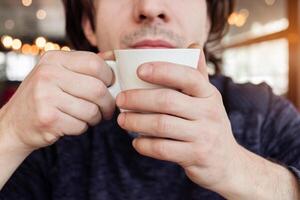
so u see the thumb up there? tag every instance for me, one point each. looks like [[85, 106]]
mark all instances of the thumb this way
[[202, 67], [107, 55]]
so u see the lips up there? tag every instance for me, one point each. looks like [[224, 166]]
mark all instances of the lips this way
[[153, 44]]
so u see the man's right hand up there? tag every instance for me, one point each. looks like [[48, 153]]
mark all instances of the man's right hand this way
[[64, 93]]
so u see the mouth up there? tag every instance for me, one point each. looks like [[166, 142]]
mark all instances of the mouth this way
[[152, 44]]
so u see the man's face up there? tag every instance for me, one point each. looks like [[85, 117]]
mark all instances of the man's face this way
[[123, 24]]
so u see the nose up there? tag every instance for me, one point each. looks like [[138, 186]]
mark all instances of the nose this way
[[150, 11]]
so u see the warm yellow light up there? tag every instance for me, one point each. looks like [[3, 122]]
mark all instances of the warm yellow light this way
[[26, 48], [56, 46], [41, 14], [16, 44], [239, 18], [26, 2], [40, 42], [49, 46], [34, 50], [240, 21], [7, 41], [65, 48], [232, 18]]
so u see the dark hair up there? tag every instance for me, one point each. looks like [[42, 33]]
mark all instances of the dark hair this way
[[218, 11]]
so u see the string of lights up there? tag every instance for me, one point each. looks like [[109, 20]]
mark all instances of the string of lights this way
[[40, 45]]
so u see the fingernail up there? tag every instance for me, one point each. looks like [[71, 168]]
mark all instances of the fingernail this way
[[120, 99], [145, 70], [194, 46], [113, 80], [134, 143], [121, 119]]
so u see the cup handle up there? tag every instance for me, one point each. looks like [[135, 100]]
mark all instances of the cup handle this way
[[114, 89]]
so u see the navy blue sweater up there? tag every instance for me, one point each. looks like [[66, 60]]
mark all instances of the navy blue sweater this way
[[102, 164]]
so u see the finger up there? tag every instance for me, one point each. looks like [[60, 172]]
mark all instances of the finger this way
[[202, 66], [78, 108], [88, 88], [166, 101], [164, 149], [107, 55], [82, 62], [69, 125], [157, 125], [186, 79]]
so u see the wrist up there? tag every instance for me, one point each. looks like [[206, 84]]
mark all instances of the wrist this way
[[9, 141], [12, 152], [253, 177], [236, 184]]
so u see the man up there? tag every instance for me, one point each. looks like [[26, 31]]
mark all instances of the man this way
[[197, 147]]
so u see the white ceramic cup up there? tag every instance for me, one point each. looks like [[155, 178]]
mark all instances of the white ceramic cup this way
[[127, 62]]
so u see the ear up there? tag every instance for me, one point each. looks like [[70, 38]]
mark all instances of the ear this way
[[88, 31]]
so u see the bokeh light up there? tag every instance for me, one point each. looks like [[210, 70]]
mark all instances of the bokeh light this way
[[7, 41], [26, 2], [41, 14], [40, 42], [16, 44]]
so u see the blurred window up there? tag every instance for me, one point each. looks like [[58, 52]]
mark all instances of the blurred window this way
[[257, 46], [262, 62], [257, 18], [19, 66]]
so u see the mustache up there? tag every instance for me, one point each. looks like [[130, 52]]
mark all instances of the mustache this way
[[153, 32]]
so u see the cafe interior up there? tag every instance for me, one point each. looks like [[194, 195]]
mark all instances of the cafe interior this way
[[262, 44]]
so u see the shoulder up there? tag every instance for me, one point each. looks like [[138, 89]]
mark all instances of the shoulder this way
[[260, 119], [247, 97]]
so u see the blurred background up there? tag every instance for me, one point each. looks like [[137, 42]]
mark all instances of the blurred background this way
[[262, 45]]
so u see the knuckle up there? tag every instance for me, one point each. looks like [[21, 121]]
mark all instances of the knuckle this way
[[81, 128], [44, 73], [84, 128], [50, 138], [126, 98], [93, 63], [99, 90], [93, 111], [160, 149], [166, 100], [162, 124], [200, 156], [49, 55], [130, 124], [46, 118]]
